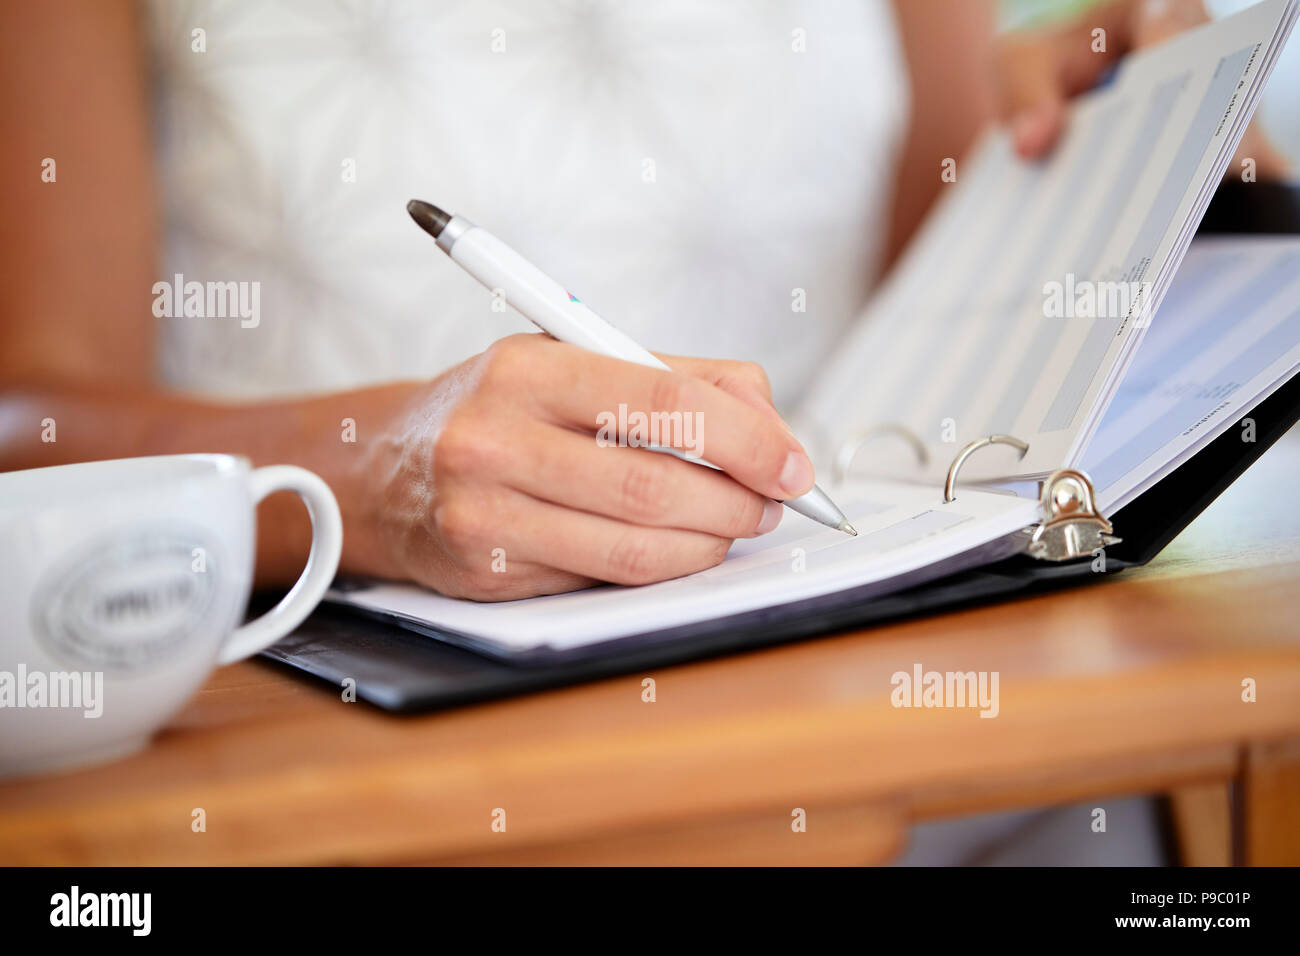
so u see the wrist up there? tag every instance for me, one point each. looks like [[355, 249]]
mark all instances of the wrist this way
[[345, 439]]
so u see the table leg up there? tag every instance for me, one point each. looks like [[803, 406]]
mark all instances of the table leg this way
[[1267, 805], [1202, 822]]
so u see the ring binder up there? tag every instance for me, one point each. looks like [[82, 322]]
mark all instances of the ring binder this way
[[969, 450], [850, 448]]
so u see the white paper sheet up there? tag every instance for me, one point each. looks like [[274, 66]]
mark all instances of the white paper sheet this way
[[901, 527]]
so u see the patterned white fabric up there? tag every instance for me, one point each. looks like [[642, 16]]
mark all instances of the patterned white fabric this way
[[769, 172]]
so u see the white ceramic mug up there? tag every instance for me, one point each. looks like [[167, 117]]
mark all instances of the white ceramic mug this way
[[121, 587]]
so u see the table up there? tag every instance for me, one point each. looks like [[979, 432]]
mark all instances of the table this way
[[1132, 685]]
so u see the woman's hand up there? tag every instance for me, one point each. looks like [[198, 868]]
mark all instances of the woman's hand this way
[[1038, 71], [495, 481]]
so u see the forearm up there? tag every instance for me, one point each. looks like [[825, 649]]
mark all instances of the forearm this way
[[949, 105], [42, 425]]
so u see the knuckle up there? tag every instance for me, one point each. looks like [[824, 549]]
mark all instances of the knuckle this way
[[507, 360], [745, 513], [632, 559], [666, 392], [459, 525], [745, 377], [755, 375], [644, 491], [716, 552], [461, 447]]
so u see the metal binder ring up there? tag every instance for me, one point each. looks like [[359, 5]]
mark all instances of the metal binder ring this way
[[970, 450], [849, 450]]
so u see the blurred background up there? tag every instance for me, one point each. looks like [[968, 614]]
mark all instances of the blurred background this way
[[1280, 109]]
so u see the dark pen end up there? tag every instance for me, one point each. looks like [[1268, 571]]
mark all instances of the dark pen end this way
[[428, 217]]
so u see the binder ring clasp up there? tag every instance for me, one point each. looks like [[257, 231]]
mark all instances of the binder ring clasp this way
[[849, 450], [969, 450]]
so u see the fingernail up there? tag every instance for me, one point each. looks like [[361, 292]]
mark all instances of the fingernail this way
[[772, 512], [797, 474]]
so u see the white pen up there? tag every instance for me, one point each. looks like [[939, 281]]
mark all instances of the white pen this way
[[556, 311]]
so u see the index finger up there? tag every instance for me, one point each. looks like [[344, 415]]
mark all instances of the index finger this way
[[629, 404]]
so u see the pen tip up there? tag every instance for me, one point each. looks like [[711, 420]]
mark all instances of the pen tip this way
[[847, 528], [428, 217]]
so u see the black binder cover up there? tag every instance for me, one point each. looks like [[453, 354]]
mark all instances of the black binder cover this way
[[401, 670]]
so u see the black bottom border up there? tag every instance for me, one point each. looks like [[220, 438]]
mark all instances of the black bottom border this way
[[976, 906]]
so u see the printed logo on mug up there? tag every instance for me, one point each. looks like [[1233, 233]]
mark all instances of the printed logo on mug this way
[[131, 601]]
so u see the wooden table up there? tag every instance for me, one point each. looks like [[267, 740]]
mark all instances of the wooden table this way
[[1130, 686]]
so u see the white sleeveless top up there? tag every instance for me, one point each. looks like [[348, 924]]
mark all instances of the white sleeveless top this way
[[695, 171]]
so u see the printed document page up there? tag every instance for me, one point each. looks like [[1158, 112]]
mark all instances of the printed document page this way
[[1018, 306], [1227, 336]]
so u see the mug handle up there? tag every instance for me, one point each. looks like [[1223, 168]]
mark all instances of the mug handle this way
[[322, 562]]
